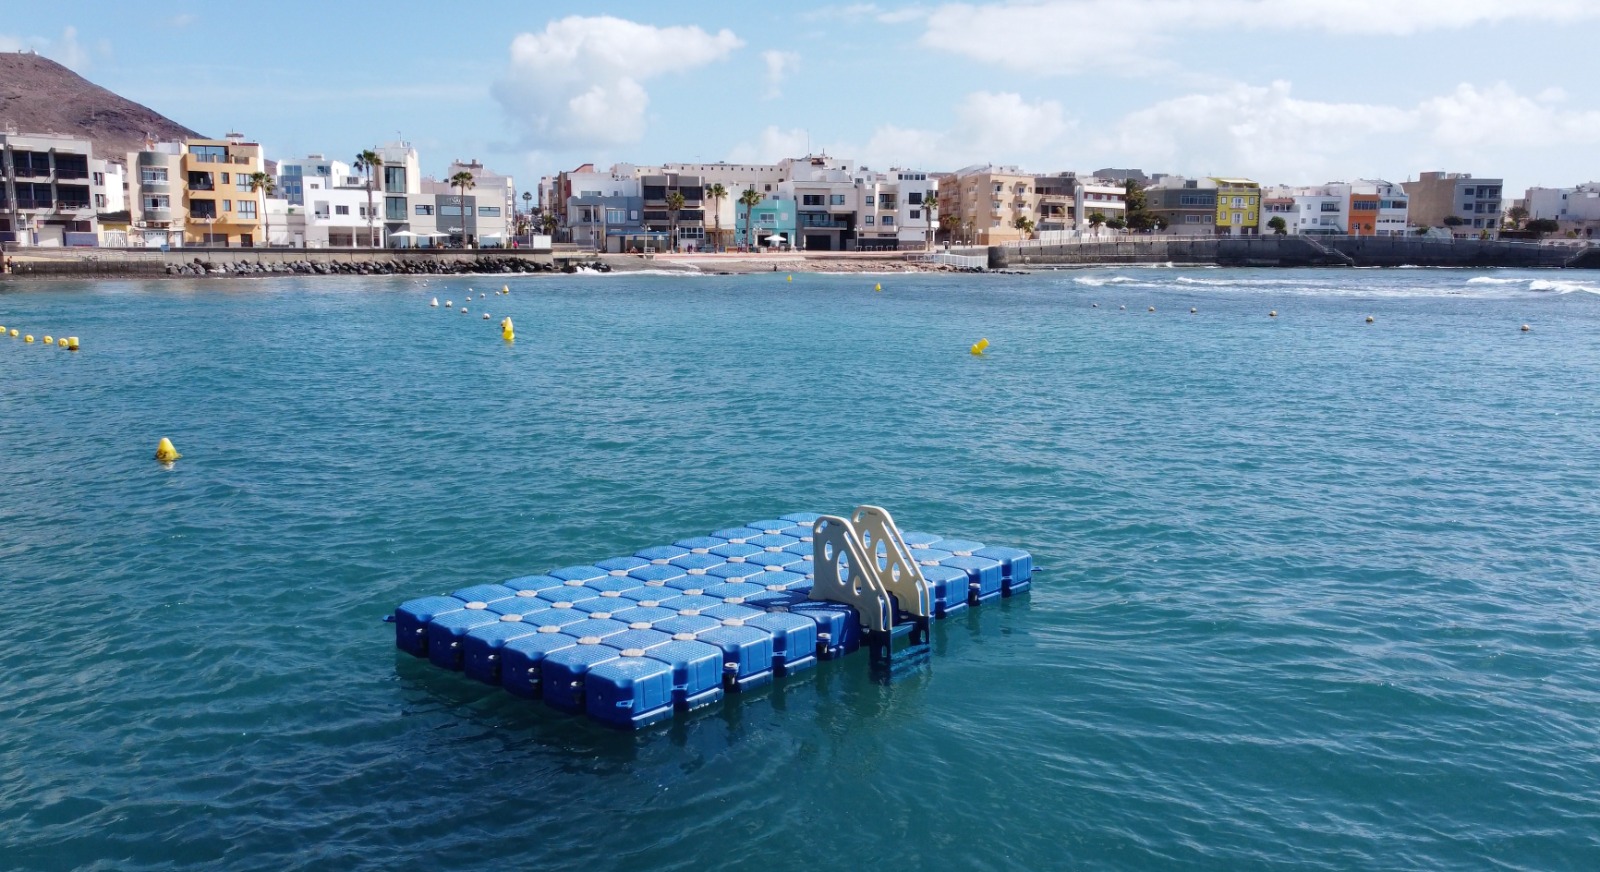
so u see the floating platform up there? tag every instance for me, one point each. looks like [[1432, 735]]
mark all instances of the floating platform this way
[[631, 640]]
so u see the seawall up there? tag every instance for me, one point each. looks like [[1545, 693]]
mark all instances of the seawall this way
[[1293, 251]]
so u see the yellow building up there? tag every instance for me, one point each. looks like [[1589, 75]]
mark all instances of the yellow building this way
[[1238, 207], [222, 210]]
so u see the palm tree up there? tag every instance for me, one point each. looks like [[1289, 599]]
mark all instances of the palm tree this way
[[462, 181], [1517, 214], [1023, 223], [369, 162], [950, 223], [715, 193], [750, 199], [550, 223], [1095, 220], [674, 206], [261, 183], [930, 205]]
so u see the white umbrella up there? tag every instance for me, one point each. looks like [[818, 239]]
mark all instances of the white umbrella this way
[[435, 233], [404, 233], [778, 237]]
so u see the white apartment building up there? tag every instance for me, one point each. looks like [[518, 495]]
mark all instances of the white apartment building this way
[[292, 173], [333, 214], [894, 212], [399, 190], [1576, 209], [1308, 210]]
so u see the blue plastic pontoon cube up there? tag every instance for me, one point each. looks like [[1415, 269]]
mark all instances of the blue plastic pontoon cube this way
[[446, 630], [564, 672], [481, 647], [631, 691], [1016, 567], [982, 572], [949, 587], [746, 654], [696, 672], [411, 621], [687, 625], [534, 583], [838, 626], [483, 593], [794, 640], [522, 661]]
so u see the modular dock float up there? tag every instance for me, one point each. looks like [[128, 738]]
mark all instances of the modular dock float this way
[[631, 640]]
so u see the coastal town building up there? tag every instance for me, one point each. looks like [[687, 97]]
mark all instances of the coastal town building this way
[[1575, 209], [773, 218], [333, 213], [1238, 206], [222, 210], [1186, 207], [894, 209], [293, 173], [662, 221], [1367, 207], [1465, 206], [46, 195], [156, 210], [828, 203], [398, 197]]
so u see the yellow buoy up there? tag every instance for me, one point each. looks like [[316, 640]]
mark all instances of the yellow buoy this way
[[2, 330], [877, 287], [165, 452], [72, 343], [789, 279], [28, 338], [49, 341], [506, 289], [979, 347], [62, 342], [506, 331], [13, 333]]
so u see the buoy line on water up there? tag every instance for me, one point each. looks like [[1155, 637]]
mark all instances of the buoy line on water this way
[[70, 343]]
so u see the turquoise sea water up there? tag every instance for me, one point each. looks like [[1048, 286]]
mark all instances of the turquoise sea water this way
[[1320, 594]]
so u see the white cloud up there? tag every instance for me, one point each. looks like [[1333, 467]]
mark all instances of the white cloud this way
[[580, 82], [986, 128], [773, 145], [1064, 36], [780, 65], [857, 12], [1271, 135], [65, 49]]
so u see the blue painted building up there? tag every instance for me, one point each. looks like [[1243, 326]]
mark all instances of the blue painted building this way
[[773, 217]]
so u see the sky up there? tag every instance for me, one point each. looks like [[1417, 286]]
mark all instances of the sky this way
[[1282, 92]]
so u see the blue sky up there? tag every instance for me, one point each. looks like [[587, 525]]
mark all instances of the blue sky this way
[[1294, 92]]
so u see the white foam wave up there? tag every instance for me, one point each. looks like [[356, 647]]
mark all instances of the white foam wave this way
[[1561, 287], [1097, 281], [1491, 280]]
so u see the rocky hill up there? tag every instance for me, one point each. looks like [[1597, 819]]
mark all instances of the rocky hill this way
[[38, 95]]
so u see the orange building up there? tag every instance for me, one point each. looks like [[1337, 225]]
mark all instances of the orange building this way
[[1363, 215]]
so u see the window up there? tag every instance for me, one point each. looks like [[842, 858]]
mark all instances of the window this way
[[1238, 202], [769, 189], [1250, 217], [835, 199], [241, 182], [613, 216], [209, 153], [227, 205], [203, 209], [247, 210], [1328, 206], [99, 179], [156, 201], [1469, 192], [870, 220], [153, 174], [394, 180], [1238, 218], [99, 201], [201, 182], [811, 200], [888, 220], [915, 214], [394, 208], [224, 178], [341, 210], [488, 211], [915, 199], [872, 199], [1192, 219], [455, 212]]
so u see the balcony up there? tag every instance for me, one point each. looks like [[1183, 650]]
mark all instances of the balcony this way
[[202, 186], [156, 187], [158, 216], [822, 220]]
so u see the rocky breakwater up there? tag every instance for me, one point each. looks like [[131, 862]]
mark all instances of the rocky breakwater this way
[[430, 266]]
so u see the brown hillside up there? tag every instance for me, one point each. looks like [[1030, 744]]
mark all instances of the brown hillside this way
[[38, 95]]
